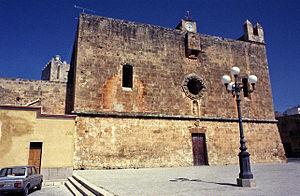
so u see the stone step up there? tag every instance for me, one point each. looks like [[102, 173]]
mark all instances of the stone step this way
[[79, 186], [54, 182], [91, 187], [72, 189]]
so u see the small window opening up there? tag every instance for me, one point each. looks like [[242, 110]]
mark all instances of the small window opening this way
[[127, 76], [58, 72], [195, 107], [255, 31], [194, 86], [193, 54], [246, 87]]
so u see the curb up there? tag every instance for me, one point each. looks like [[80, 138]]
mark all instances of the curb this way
[[57, 182]]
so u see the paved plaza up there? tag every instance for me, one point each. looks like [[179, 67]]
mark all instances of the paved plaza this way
[[58, 190], [271, 179]]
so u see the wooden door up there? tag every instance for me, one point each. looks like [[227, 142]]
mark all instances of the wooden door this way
[[199, 149], [35, 155]]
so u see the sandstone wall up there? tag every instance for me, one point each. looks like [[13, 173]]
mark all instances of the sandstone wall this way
[[159, 65], [19, 92], [133, 143]]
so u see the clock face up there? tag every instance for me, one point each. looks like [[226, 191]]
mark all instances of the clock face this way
[[189, 26]]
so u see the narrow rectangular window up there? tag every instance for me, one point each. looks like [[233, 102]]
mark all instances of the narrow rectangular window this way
[[127, 76], [58, 72]]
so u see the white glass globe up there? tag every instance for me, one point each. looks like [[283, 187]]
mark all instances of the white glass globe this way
[[226, 79], [230, 86], [252, 79], [235, 71]]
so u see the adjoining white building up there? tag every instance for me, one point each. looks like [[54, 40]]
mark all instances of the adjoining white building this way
[[292, 111]]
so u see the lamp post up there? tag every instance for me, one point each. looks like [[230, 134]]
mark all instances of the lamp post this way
[[245, 176]]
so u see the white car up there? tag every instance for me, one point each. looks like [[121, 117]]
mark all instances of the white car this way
[[19, 179]]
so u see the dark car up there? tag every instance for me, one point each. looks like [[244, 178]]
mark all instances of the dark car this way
[[19, 179]]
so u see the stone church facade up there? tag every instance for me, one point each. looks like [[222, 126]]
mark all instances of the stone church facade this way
[[148, 96]]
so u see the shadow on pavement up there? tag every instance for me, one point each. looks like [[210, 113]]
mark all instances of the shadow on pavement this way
[[18, 194], [198, 180]]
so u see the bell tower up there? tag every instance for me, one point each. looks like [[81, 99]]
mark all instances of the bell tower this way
[[56, 70], [192, 38], [187, 24]]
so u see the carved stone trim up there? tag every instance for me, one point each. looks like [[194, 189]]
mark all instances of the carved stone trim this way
[[198, 130], [197, 91]]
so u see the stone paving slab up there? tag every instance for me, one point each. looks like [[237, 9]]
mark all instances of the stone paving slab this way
[[271, 179], [59, 190]]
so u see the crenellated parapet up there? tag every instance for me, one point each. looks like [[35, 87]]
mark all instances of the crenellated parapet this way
[[253, 33]]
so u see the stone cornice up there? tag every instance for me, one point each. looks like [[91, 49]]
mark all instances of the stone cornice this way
[[166, 116]]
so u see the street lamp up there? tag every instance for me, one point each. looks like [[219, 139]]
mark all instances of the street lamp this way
[[245, 176]]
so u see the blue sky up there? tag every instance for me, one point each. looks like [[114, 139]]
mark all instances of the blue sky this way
[[33, 31]]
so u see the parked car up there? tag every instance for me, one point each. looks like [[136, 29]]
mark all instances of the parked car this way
[[19, 179]]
